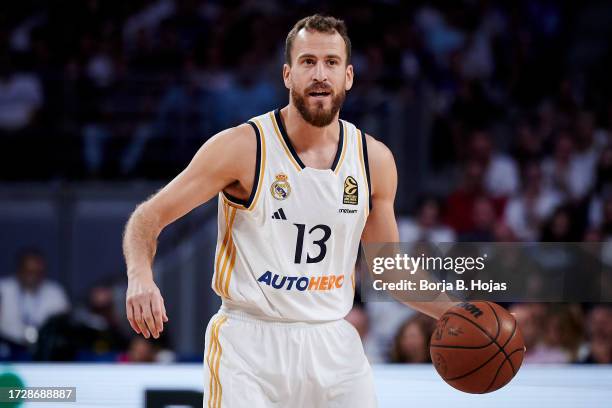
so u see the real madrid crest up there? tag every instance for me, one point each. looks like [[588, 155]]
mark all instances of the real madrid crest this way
[[281, 188]]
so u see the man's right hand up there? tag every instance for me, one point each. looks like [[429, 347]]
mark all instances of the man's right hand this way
[[145, 307]]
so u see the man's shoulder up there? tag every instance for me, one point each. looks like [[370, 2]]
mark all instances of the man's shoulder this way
[[234, 142], [229, 154], [239, 134], [377, 150], [382, 168]]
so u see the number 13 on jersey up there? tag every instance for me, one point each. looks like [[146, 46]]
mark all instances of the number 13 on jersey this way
[[299, 244]]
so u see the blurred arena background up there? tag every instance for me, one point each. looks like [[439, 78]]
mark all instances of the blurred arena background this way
[[499, 114]]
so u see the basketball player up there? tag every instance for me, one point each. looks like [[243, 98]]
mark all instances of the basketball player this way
[[298, 189]]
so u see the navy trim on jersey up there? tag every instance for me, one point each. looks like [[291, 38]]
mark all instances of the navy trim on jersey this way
[[247, 203], [367, 165], [281, 127], [340, 147], [285, 136]]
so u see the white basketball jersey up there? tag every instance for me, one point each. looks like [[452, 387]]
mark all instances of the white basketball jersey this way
[[289, 251]]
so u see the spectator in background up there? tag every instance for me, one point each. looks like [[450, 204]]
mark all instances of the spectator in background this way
[[561, 227], [27, 299], [525, 213], [529, 143], [426, 226], [606, 222], [503, 233], [557, 170], [586, 155], [100, 318], [91, 333], [563, 334], [547, 120], [599, 326], [500, 172], [460, 204], [602, 190], [603, 172], [603, 134], [21, 96], [141, 350], [411, 343], [484, 222], [529, 322]]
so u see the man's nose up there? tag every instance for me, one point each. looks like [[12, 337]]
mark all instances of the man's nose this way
[[320, 74]]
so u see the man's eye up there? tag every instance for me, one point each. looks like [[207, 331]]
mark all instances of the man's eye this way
[[309, 62], [332, 62]]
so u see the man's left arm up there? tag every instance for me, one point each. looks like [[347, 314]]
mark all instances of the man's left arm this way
[[381, 226]]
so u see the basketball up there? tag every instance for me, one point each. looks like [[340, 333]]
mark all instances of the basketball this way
[[477, 347]]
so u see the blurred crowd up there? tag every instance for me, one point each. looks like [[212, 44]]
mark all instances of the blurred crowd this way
[[555, 333], [515, 116], [120, 90], [39, 323]]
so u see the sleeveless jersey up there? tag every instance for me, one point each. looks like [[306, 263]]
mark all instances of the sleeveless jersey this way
[[288, 252]]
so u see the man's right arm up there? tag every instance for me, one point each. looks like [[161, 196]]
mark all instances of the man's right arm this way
[[227, 159]]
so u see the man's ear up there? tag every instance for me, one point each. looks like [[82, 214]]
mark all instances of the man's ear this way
[[349, 77], [287, 75]]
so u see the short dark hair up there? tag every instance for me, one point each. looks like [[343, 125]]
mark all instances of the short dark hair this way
[[321, 24]]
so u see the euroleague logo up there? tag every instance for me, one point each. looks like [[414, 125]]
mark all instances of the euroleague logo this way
[[281, 188], [351, 190]]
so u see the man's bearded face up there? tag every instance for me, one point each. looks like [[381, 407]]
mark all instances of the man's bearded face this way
[[319, 103]]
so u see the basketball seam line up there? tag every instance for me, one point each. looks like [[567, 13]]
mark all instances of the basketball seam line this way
[[486, 362], [505, 359], [462, 347], [510, 338], [500, 348], [475, 369], [479, 327], [467, 347], [499, 368], [492, 341]]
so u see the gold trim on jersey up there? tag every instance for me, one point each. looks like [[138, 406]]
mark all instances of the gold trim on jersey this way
[[232, 260], [229, 202], [280, 138], [214, 349], [227, 252], [262, 166], [364, 172], [344, 144]]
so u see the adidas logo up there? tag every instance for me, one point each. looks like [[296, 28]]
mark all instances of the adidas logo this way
[[279, 215]]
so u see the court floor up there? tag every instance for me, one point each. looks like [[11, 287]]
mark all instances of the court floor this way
[[408, 386], [543, 386]]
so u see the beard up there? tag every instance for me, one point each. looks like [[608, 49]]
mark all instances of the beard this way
[[317, 115]]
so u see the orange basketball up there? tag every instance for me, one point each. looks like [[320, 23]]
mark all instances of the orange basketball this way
[[477, 347]]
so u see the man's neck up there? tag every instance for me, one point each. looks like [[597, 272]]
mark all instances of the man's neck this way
[[302, 134]]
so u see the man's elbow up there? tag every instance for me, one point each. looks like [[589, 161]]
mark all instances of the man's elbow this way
[[146, 217]]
